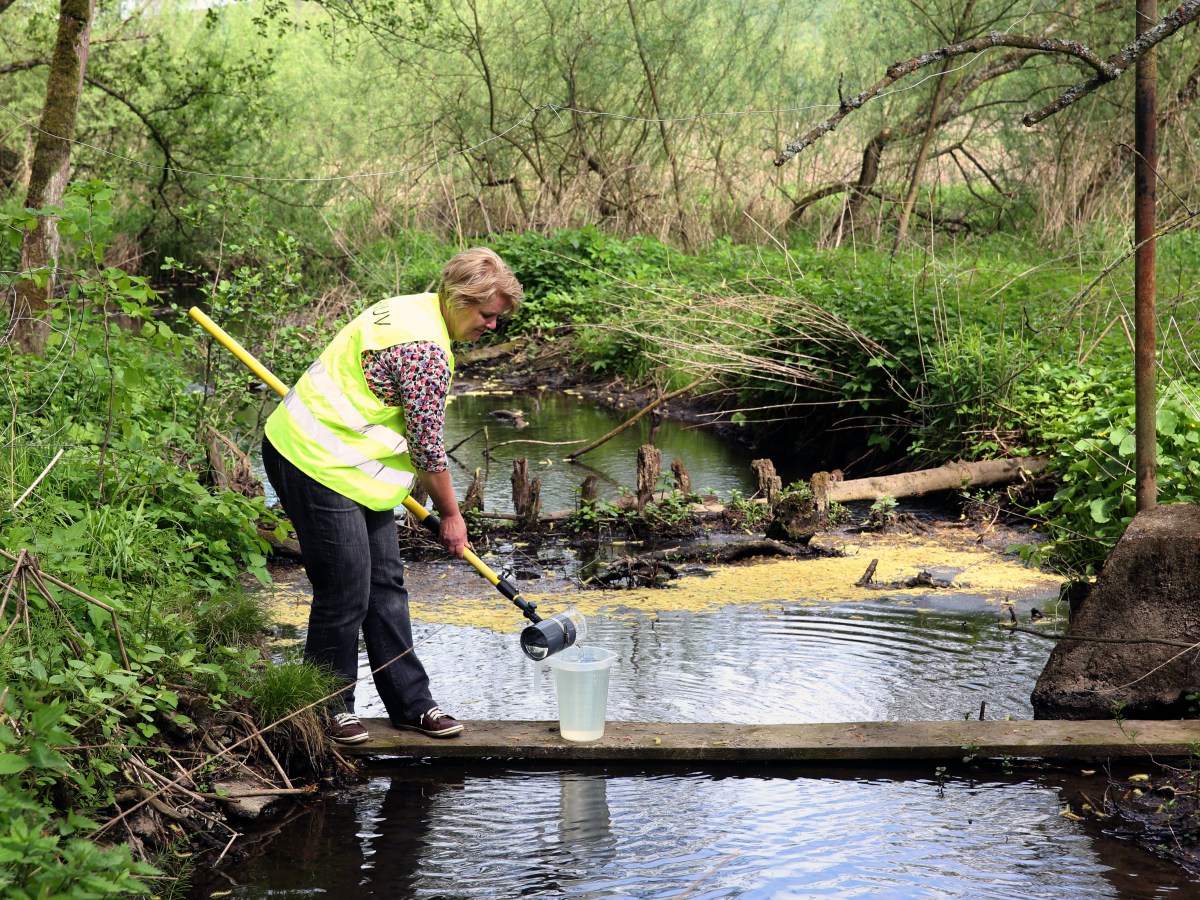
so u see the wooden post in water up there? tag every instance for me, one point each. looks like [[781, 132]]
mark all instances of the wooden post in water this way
[[520, 485], [474, 496], [534, 505], [649, 467], [589, 491], [683, 481], [770, 485], [526, 494]]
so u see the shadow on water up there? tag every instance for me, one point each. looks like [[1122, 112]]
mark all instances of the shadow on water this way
[[490, 831]]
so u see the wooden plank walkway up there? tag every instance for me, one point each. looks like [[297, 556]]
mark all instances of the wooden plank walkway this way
[[843, 742]]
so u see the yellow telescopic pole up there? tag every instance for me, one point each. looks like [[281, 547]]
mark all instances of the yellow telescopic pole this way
[[421, 514], [239, 351]]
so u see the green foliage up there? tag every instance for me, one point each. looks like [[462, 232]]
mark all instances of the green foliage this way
[[883, 512], [670, 512], [968, 382], [291, 684], [290, 696], [592, 518], [746, 514], [1084, 419], [253, 280], [404, 261], [231, 618], [572, 260], [122, 513], [44, 855]]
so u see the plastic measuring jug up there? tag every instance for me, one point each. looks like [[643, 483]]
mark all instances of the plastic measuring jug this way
[[581, 684]]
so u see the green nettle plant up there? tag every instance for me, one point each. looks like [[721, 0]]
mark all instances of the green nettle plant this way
[[44, 853], [108, 429], [746, 514], [1085, 419]]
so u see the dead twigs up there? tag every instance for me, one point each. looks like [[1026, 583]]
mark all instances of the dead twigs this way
[[26, 571], [638, 415], [1104, 69]]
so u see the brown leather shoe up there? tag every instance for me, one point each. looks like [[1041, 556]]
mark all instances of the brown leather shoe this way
[[434, 723]]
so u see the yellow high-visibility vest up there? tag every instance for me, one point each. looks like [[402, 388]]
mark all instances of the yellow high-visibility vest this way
[[334, 429]]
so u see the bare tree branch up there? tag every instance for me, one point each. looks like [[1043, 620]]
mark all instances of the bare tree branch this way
[[1106, 70], [1187, 12], [155, 134]]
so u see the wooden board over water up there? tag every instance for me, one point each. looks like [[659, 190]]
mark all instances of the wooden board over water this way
[[895, 741]]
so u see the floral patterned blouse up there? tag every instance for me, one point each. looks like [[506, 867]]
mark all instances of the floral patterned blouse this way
[[416, 378]]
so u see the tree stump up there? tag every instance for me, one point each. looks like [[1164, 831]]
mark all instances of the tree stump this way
[[683, 481], [649, 467], [795, 519], [821, 483], [533, 506], [474, 497], [589, 491], [520, 486], [770, 485]]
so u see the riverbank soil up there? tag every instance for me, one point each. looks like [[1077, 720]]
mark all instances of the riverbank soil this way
[[1131, 644]]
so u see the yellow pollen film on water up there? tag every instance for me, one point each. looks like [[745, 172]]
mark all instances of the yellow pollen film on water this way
[[980, 573], [966, 572]]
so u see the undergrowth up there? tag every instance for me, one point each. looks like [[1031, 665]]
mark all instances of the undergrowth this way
[[127, 640]]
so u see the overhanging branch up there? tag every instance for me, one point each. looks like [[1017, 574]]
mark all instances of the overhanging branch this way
[[1105, 70]]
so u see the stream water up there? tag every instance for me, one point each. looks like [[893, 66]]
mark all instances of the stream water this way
[[441, 830], [444, 830], [556, 425]]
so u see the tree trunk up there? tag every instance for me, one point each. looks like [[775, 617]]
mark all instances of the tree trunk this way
[[48, 171], [663, 131], [954, 476], [867, 176], [918, 169]]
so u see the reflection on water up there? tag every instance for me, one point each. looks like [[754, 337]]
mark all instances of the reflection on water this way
[[557, 425], [446, 830], [790, 664], [424, 831]]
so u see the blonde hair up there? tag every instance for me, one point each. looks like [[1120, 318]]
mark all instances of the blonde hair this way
[[475, 276]]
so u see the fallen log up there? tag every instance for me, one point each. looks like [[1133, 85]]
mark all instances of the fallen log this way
[[482, 354], [952, 477]]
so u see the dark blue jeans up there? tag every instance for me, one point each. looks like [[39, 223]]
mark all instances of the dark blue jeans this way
[[352, 559]]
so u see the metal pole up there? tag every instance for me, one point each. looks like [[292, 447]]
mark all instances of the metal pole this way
[[1144, 177]]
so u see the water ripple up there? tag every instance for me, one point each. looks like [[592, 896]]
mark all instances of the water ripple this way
[[593, 834]]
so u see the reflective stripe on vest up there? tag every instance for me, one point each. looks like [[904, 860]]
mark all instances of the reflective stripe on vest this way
[[351, 417], [346, 454]]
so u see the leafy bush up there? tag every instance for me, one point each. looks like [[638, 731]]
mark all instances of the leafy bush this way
[[1083, 418], [124, 517]]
